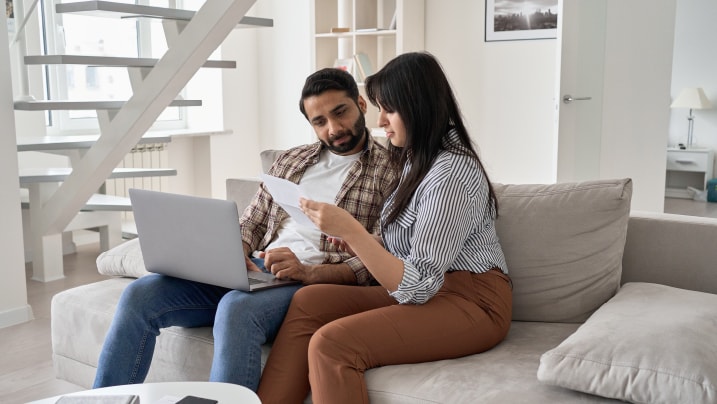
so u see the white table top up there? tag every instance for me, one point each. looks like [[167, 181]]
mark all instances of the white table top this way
[[152, 393]]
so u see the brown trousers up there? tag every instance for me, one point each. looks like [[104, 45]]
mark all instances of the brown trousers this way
[[349, 329]]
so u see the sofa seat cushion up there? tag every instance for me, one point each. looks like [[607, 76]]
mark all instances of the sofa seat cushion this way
[[81, 317], [649, 344], [505, 374], [563, 244]]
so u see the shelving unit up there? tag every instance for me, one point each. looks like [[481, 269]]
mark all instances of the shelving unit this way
[[368, 23]]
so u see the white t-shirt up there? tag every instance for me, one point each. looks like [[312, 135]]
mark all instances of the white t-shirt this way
[[322, 182]]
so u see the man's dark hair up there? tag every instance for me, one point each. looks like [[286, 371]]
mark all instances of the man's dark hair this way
[[326, 79]]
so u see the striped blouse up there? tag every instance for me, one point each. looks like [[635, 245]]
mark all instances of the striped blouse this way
[[447, 226]]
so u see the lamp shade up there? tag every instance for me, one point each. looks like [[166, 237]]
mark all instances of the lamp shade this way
[[693, 98]]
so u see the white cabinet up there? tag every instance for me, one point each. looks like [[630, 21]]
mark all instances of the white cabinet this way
[[366, 24], [687, 168]]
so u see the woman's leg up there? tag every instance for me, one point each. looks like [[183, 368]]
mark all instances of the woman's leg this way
[[148, 304], [285, 378], [470, 314], [245, 321]]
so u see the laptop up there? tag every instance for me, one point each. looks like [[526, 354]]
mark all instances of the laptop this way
[[195, 238]]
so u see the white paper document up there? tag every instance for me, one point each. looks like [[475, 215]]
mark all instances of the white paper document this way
[[287, 195]]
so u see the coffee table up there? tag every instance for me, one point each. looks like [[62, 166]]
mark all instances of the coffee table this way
[[151, 393]]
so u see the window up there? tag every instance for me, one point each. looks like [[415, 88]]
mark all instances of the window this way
[[73, 34]]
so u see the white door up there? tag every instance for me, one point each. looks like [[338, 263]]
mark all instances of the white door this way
[[579, 98], [619, 54]]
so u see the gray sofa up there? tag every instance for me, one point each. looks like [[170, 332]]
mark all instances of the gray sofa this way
[[608, 304]]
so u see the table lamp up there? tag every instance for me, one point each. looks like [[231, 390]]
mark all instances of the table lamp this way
[[692, 98]]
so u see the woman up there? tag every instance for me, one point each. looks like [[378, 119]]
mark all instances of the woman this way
[[444, 288]]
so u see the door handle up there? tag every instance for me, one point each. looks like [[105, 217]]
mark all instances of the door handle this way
[[567, 98]]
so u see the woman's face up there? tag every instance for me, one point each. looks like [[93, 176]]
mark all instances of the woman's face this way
[[392, 123]]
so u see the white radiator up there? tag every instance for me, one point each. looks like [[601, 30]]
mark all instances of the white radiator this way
[[146, 155]]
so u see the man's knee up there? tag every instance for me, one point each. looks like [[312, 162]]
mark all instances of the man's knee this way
[[234, 305], [143, 289]]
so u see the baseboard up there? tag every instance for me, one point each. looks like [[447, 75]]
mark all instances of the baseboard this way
[[16, 316]]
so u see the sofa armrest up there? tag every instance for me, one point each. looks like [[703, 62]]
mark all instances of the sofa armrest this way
[[242, 191], [673, 250]]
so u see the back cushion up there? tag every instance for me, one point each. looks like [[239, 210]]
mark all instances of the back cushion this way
[[268, 157], [563, 244]]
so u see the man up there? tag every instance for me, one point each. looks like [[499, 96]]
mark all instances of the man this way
[[346, 166]]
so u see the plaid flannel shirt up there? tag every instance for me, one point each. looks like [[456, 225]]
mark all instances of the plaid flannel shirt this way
[[362, 194]]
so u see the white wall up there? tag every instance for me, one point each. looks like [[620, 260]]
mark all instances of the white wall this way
[[695, 65], [262, 96], [13, 294], [505, 90]]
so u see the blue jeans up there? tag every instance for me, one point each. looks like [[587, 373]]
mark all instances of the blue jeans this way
[[241, 323]]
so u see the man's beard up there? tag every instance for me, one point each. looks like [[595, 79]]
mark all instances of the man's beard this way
[[356, 135]]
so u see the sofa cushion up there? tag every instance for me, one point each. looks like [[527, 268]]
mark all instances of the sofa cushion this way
[[563, 244], [123, 260], [268, 157], [650, 343], [504, 374]]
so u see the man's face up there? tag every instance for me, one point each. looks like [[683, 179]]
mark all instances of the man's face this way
[[338, 122]]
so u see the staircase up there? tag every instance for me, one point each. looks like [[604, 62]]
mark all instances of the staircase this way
[[58, 198]]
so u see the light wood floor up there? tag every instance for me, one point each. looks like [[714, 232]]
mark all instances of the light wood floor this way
[[690, 208], [26, 372]]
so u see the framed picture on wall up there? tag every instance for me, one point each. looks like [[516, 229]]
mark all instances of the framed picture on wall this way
[[509, 20]]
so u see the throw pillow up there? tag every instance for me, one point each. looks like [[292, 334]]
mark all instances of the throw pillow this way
[[563, 244], [649, 344], [122, 260]]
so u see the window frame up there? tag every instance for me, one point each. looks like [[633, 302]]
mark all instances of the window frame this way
[[55, 85]]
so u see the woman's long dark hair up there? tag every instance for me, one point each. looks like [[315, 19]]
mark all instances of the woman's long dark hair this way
[[415, 86]]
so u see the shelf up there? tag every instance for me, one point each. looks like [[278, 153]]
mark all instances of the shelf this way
[[109, 61], [363, 19], [88, 105], [384, 32], [677, 193], [122, 10]]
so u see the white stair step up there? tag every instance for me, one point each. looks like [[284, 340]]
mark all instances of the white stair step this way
[[112, 61], [95, 203], [122, 10], [88, 105], [35, 175], [108, 202], [72, 142]]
